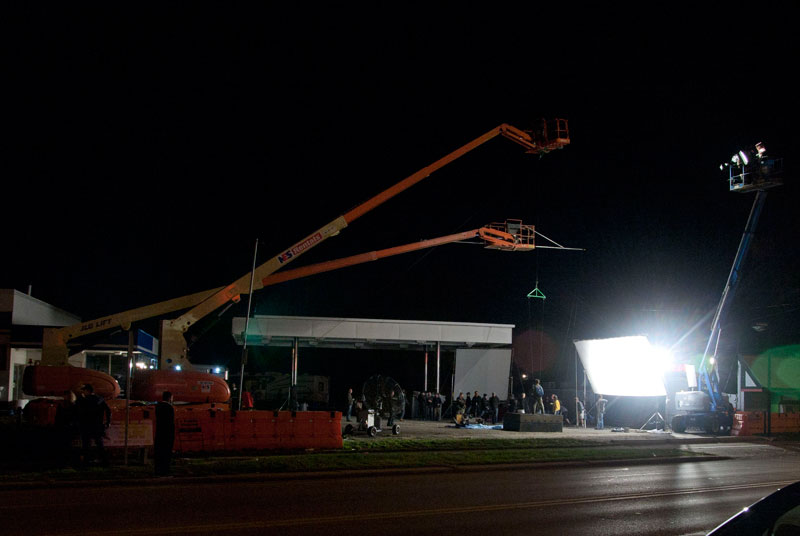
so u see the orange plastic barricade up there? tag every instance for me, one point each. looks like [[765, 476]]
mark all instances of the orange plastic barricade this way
[[285, 426], [784, 423], [329, 424], [188, 433], [214, 429], [333, 429], [748, 423], [265, 429], [305, 429], [230, 431]]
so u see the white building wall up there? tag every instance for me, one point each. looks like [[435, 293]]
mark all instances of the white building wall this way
[[26, 311], [11, 386]]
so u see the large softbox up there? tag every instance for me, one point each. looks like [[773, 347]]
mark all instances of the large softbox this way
[[623, 366]]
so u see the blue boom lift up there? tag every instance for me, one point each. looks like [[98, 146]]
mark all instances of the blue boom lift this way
[[704, 407]]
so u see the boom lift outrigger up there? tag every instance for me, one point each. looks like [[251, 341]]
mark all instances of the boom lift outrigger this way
[[549, 136]]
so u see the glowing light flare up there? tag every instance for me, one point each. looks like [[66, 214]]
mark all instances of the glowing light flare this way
[[624, 366], [663, 359]]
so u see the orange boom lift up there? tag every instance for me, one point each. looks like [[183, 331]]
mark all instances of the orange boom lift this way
[[548, 136]]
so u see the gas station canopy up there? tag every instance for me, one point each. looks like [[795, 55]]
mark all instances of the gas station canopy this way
[[369, 333]]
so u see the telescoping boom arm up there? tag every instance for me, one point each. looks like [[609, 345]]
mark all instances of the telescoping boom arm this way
[[492, 236], [549, 136]]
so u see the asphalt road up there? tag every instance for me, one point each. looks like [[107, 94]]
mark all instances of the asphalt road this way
[[662, 499]]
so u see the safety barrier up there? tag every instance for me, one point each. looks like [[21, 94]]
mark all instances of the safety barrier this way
[[784, 423], [747, 423], [753, 422], [213, 428]]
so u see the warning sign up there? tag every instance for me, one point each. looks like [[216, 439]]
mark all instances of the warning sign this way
[[140, 434]]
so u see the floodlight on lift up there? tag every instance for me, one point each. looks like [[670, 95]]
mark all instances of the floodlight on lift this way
[[743, 157], [753, 170]]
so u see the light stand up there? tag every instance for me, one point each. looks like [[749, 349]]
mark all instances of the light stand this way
[[659, 418]]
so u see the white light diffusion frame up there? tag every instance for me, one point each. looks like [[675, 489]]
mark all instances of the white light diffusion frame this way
[[484, 370], [624, 366]]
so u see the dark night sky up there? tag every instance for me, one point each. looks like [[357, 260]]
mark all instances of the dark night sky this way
[[149, 148]]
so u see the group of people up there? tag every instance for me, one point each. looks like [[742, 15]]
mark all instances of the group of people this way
[[538, 403], [88, 416], [485, 407], [533, 403], [429, 406]]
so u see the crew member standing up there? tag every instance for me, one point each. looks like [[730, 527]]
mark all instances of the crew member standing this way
[[511, 406], [494, 403], [165, 434], [538, 402], [349, 403], [556, 405], [94, 416], [601, 410], [477, 405], [580, 412]]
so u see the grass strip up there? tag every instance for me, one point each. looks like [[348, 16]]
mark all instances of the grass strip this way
[[400, 459]]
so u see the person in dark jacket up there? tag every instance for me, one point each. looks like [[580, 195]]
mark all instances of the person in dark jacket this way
[[494, 404], [66, 427], [94, 416], [350, 401], [477, 405], [461, 404], [511, 407], [165, 434], [437, 406]]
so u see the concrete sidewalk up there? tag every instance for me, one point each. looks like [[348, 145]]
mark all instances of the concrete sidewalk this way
[[446, 429]]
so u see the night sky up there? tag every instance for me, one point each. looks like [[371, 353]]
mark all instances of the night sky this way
[[148, 148]]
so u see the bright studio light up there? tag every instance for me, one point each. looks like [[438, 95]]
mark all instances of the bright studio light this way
[[624, 366], [663, 359]]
